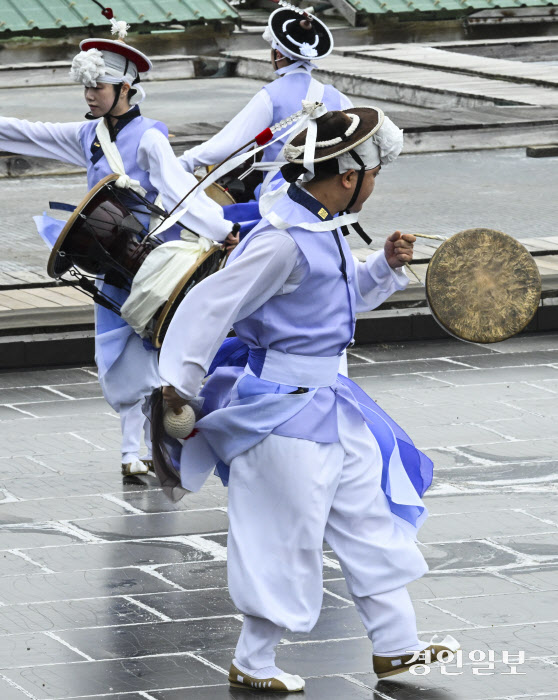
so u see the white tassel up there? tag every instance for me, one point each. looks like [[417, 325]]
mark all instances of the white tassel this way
[[120, 28]]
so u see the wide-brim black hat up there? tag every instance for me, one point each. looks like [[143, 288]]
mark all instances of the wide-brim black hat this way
[[299, 34], [337, 133]]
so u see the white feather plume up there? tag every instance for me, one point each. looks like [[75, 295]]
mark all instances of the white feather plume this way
[[121, 28], [88, 67]]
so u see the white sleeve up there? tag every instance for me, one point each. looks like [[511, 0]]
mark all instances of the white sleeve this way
[[376, 281], [42, 139], [250, 121], [345, 102], [205, 216], [207, 313]]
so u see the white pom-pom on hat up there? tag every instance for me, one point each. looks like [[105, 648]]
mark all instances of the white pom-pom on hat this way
[[88, 67], [121, 28]]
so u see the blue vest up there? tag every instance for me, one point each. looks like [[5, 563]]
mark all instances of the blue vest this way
[[318, 317], [127, 142]]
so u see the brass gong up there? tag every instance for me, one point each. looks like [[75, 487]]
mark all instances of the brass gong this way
[[483, 286]]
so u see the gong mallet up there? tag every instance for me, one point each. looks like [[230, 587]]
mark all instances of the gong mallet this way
[[423, 235]]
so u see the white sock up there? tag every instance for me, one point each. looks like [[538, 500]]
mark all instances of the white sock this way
[[256, 645], [266, 672]]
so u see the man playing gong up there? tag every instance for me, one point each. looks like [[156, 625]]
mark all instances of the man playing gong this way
[[307, 454], [118, 139]]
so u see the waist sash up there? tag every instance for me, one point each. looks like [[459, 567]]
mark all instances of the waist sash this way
[[293, 370]]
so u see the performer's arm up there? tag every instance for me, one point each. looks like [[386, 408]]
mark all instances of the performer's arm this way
[[376, 281], [207, 313], [345, 102], [254, 118], [42, 139], [205, 216]]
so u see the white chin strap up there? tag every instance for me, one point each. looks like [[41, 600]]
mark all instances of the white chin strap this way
[[297, 65]]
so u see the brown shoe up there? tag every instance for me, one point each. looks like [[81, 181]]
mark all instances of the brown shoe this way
[[134, 468], [385, 666], [282, 682]]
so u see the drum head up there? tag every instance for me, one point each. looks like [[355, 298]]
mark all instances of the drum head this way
[[205, 266], [483, 286], [219, 194], [59, 262]]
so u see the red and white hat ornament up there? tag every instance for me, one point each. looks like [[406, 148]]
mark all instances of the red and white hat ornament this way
[[109, 60]]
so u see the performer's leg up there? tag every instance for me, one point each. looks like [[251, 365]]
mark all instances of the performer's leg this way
[[132, 421], [377, 556], [132, 377], [390, 621], [255, 651], [280, 492]]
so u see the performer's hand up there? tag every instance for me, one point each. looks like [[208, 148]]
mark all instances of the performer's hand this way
[[231, 241], [399, 249], [173, 399]]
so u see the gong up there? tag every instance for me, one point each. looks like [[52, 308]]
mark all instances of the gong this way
[[483, 286]]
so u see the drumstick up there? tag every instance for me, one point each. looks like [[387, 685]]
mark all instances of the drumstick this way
[[413, 271], [426, 235]]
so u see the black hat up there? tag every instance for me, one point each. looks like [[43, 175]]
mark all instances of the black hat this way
[[337, 133], [299, 34]]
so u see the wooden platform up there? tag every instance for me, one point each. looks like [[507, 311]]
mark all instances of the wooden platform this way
[[34, 308], [418, 55], [423, 75]]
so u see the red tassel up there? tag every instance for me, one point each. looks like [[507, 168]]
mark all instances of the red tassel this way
[[263, 137], [107, 12], [194, 432]]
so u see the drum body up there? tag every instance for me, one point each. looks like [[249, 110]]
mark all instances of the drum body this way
[[206, 265], [104, 236], [483, 286]]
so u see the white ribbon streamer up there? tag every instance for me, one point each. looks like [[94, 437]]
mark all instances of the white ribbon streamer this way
[[308, 109], [114, 159]]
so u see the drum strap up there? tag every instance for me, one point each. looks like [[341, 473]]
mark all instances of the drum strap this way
[[60, 206]]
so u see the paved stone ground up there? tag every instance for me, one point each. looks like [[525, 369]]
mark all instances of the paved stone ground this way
[[111, 591]]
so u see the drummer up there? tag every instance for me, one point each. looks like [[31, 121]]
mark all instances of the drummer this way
[[116, 138], [297, 39]]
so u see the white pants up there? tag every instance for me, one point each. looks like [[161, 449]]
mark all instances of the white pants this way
[[285, 496], [125, 386]]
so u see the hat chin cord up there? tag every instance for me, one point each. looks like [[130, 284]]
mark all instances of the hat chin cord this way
[[360, 177]]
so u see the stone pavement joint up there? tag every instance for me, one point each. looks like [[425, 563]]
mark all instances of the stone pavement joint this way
[[112, 591]]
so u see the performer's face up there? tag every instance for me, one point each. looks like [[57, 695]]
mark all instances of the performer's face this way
[[367, 188], [99, 99]]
